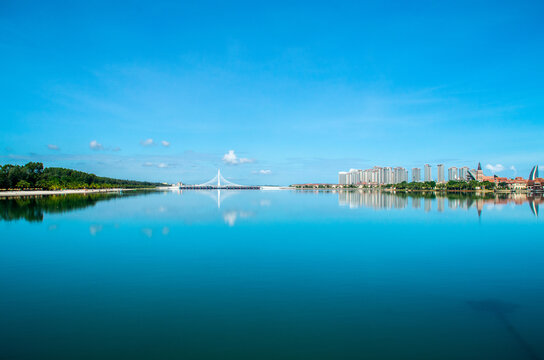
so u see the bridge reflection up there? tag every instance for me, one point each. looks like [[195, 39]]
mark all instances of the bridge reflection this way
[[217, 195]]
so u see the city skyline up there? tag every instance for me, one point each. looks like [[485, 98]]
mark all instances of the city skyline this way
[[388, 175], [176, 90]]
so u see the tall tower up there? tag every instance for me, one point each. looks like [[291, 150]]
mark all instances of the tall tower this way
[[479, 173], [440, 177], [218, 178], [534, 173], [416, 174], [427, 173], [453, 173]]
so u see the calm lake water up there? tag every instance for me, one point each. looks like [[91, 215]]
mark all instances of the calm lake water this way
[[271, 275]]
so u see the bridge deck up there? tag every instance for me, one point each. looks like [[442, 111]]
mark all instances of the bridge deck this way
[[218, 182]]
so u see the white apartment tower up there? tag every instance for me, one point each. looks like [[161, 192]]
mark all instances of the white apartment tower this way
[[453, 174], [343, 178], [441, 178], [463, 173], [416, 174], [427, 173]]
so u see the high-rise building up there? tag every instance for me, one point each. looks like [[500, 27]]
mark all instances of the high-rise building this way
[[387, 175], [399, 175], [453, 173], [440, 177], [343, 178], [377, 175], [427, 173], [366, 176], [354, 176], [416, 174], [463, 173]]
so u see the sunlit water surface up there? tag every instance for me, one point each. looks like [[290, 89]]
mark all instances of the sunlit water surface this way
[[271, 275]]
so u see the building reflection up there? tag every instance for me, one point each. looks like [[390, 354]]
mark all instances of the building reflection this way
[[416, 203], [389, 200], [427, 204], [440, 203]]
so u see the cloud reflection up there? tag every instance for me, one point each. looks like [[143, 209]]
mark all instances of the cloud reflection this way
[[231, 216], [147, 232], [95, 229]]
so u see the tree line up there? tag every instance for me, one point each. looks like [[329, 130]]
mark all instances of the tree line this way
[[33, 175], [452, 185]]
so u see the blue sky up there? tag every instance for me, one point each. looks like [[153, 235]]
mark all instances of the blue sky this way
[[273, 93]]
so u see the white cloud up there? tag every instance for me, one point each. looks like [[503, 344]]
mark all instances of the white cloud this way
[[159, 165], [117, 148], [265, 172], [53, 147], [165, 143], [231, 159], [147, 142], [513, 168], [495, 168], [95, 145]]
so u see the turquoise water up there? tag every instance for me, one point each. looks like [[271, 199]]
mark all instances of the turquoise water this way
[[271, 275]]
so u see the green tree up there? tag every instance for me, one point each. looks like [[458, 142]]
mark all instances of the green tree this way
[[23, 184]]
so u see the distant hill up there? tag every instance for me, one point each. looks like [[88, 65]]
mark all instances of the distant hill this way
[[34, 175]]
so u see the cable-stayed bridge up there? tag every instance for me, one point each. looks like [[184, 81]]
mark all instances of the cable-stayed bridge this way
[[219, 182]]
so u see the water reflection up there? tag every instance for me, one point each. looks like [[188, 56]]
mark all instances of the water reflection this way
[[381, 287], [217, 196], [388, 200], [192, 208], [231, 216], [500, 310], [33, 208]]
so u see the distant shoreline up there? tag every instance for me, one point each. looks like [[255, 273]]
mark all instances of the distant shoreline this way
[[14, 193], [480, 191]]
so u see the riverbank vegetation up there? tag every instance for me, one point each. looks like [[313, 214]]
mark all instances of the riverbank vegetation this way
[[452, 185], [33, 175]]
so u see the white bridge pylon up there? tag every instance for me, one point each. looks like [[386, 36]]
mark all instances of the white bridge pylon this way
[[219, 182]]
